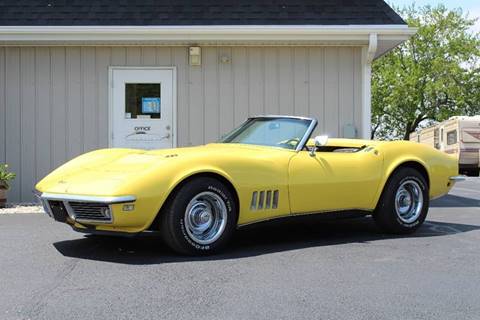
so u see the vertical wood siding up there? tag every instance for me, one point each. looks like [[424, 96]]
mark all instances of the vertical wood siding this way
[[54, 100], [3, 97]]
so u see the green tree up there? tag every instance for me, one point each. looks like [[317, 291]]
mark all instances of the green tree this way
[[431, 77]]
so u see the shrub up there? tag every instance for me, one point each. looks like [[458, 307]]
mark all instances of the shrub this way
[[5, 176]]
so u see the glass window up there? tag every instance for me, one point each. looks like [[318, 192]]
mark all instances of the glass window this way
[[275, 132], [142, 101], [452, 137]]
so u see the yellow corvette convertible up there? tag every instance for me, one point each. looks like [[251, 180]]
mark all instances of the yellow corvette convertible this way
[[267, 168]]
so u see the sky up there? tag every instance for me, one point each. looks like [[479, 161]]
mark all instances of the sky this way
[[472, 6]]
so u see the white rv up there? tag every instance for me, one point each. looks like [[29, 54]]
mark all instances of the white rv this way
[[459, 136]]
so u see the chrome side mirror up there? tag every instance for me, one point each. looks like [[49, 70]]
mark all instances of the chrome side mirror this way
[[320, 141]]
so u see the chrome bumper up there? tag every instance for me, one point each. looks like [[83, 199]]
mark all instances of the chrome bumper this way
[[82, 209], [72, 197], [457, 178], [43, 202]]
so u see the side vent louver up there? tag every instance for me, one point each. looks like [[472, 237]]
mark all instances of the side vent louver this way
[[264, 200], [253, 205], [275, 200], [268, 201]]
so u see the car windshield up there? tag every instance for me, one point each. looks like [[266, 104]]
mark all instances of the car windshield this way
[[270, 131]]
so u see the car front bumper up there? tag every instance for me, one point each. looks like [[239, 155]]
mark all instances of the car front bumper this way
[[82, 209]]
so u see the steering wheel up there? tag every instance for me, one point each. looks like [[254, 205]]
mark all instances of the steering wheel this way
[[290, 143]]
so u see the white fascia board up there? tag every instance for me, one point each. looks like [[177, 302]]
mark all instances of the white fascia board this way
[[136, 34]]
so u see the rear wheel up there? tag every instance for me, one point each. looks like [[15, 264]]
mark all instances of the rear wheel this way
[[404, 203], [200, 218]]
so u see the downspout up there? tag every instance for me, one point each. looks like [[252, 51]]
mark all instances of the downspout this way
[[368, 56], [372, 47]]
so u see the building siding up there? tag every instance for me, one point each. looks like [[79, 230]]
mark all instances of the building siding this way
[[3, 118], [54, 100]]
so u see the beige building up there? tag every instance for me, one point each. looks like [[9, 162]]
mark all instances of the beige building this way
[[150, 74]]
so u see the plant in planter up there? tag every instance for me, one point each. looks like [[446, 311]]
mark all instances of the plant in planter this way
[[5, 178]]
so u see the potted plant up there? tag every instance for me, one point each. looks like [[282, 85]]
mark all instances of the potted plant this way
[[5, 178]]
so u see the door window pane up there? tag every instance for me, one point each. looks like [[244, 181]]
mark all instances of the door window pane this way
[[143, 101]]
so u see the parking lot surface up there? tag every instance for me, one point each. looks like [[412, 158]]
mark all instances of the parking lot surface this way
[[308, 269]]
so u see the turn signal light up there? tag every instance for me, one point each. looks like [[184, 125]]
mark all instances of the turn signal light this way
[[128, 207]]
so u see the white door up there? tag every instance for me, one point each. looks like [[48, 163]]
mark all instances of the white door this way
[[142, 108]]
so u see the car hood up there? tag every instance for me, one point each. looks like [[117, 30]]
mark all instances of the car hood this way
[[105, 171]]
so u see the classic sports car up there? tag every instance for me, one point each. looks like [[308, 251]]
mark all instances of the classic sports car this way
[[267, 168]]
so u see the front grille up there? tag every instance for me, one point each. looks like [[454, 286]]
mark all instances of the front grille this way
[[91, 211], [57, 208]]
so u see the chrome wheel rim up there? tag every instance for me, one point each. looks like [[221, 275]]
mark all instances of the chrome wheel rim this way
[[205, 217], [409, 201]]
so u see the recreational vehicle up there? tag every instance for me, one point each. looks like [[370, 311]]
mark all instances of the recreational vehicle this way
[[459, 136]]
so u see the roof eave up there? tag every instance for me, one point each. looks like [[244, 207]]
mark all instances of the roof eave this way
[[269, 34]]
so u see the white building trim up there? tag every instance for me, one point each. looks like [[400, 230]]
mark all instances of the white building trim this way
[[204, 35]]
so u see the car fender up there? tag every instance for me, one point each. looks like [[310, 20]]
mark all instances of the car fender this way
[[175, 180], [392, 163]]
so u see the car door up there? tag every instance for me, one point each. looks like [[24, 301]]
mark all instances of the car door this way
[[331, 181]]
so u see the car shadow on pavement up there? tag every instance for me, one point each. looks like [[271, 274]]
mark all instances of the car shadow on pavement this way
[[453, 201], [260, 239]]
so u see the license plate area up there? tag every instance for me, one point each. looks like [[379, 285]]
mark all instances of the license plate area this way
[[58, 210]]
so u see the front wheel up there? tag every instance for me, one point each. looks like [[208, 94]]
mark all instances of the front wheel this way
[[200, 218], [403, 206]]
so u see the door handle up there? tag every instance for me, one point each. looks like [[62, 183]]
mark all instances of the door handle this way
[[143, 132], [135, 133]]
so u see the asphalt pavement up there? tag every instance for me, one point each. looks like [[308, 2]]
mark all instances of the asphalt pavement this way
[[308, 269]]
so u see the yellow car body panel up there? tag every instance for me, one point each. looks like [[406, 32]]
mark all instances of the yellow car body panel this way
[[335, 181], [326, 181]]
